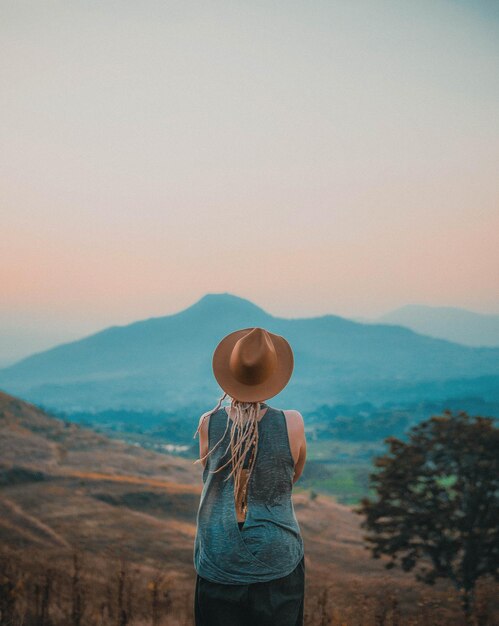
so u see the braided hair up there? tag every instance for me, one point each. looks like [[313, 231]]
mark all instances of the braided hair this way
[[243, 436]]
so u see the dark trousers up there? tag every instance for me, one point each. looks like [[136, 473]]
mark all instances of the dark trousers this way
[[278, 602]]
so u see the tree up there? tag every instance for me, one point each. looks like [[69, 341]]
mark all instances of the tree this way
[[437, 502]]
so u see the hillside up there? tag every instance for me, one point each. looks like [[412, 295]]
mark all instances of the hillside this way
[[56, 476], [63, 487], [164, 363]]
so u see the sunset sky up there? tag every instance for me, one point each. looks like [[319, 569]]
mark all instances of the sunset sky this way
[[313, 157]]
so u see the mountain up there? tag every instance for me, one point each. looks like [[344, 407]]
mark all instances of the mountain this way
[[165, 362], [458, 325]]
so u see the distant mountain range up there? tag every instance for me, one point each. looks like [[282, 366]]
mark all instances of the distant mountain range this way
[[444, 322], [165, 362]]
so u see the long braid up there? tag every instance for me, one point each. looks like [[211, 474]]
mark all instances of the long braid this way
[[243, 435]]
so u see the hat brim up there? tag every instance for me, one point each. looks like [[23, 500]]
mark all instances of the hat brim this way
[[252, 393]]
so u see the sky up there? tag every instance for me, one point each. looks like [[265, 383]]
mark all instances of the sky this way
[[313, 157]]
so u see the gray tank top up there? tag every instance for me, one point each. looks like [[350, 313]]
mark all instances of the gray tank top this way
[[269, 545]]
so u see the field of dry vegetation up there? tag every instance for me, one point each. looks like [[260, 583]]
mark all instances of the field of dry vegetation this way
[[94, 532], [109, 591]]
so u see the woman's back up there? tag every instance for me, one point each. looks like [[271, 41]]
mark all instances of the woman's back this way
[[269, 545]]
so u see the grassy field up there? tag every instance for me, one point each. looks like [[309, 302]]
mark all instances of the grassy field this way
[[340, 469]]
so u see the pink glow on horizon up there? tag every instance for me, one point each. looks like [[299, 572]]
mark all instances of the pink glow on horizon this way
[[338, 160]]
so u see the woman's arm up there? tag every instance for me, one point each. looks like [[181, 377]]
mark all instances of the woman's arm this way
[[300, 464], [296, 430]]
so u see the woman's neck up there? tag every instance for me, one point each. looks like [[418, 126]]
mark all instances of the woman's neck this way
[[264, 407]]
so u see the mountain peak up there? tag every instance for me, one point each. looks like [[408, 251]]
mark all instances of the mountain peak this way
[[214, 301]]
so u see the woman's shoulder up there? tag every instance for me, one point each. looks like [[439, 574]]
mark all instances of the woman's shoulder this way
[[295, 424], [293, 416], [205, 417], [207, 414]]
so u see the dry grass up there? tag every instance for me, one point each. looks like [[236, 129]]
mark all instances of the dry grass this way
[[130, 514], [109, 591]]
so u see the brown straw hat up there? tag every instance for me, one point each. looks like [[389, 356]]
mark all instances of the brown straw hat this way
[[252, 364]]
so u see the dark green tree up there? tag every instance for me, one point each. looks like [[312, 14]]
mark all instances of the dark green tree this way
[[437, 502]]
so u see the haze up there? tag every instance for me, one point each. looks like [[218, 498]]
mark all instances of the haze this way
[[325, 157]]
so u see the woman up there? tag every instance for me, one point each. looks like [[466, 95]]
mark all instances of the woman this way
[[248, 551]]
